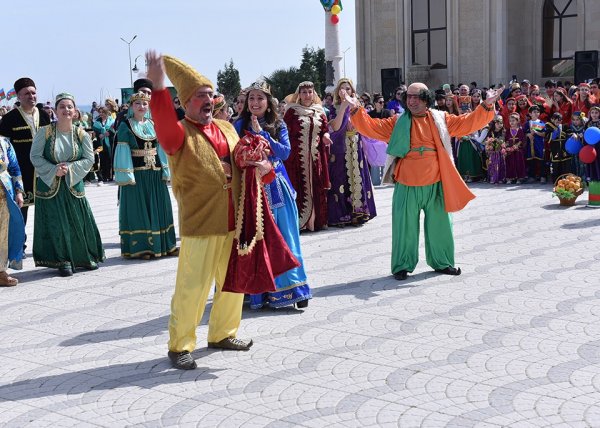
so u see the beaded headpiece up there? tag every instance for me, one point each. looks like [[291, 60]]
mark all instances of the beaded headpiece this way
[[139, 96], [260, 86], [63, 96]]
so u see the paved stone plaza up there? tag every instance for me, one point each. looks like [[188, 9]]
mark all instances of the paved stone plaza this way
[[514, 341]]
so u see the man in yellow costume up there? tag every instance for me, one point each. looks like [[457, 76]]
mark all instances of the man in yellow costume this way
[[206, 184]]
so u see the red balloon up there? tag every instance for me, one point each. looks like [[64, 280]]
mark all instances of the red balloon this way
[[335, 19], [587, 154]]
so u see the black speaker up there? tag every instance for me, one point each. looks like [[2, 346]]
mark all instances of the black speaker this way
[[390, 80], [586, 66]]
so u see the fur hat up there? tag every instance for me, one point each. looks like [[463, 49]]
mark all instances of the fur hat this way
[[23, 82], [185, 79], [142, 83]]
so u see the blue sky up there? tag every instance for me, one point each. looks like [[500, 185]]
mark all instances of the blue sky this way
[[75, 46]]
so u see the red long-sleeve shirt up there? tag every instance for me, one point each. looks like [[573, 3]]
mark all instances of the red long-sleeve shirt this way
[[171, 135]]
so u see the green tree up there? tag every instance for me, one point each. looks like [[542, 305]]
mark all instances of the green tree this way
[[284, 82], [228, 82], [312, 68]]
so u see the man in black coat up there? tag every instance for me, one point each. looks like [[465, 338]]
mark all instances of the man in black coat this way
[[20, 126]]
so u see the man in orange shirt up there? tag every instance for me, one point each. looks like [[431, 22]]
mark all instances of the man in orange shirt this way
[[421, 168]]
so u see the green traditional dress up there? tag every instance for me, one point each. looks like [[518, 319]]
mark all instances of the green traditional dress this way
[[145, 212], [65, 232]]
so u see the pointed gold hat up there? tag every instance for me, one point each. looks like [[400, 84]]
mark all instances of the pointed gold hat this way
[[185, 79]]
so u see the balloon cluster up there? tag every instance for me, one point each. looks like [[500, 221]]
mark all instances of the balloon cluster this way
[[335, 7], [587, 153]]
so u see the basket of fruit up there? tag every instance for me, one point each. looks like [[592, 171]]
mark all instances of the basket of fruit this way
[[567, 188]]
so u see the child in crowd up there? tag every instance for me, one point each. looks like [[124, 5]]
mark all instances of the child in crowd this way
[[559, 159], [475, 98], [576, 130], [452, 105], [494, 148], [509, 107], [594, 119], [515, 151], [534, 153], [523, 105], [562, 104]]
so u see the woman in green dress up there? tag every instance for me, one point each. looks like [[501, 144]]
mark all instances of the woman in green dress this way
[[141, 171], [65, 233]]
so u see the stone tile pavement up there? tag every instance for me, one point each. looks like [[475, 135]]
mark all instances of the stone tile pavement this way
[[514, 341]]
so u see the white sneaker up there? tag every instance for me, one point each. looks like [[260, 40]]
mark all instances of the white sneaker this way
[[99, 183]]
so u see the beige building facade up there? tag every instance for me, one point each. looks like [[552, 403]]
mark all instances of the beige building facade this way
[[486, 41]]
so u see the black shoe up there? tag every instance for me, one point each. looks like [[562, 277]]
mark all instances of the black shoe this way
[[449, 271], [302, 304], [182, 360], [65, 271], [401, 275], [232, 343], [92, 266]]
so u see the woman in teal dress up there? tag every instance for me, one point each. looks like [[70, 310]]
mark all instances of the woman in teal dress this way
[[141, 170], [65, 233], [103, 127]]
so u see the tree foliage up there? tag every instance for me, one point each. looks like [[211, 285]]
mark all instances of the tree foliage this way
[[228, 82], [312, 67]]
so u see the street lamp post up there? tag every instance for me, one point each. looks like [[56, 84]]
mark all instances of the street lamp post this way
[[129, 49], [135, 68], [344, 54]]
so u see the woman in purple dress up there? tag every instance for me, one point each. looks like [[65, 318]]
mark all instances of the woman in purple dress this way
[[350, 199]]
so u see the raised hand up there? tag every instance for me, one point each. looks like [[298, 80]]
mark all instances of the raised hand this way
[[492, 95], [255, 125], [155, 69]]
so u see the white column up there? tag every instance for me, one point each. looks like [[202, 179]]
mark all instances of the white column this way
[[333, 56]]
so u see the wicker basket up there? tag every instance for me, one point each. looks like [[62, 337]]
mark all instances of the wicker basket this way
[[567, 202]]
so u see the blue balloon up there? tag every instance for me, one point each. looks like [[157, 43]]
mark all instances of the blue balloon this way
[[573, 146], [592, 135]]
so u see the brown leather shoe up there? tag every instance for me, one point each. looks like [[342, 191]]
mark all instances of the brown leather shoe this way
[[182, 360], [173, 253], [7, 281], [232, 343]]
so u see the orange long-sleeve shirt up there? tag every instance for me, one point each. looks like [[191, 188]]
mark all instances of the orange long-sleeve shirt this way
[[421, 168]]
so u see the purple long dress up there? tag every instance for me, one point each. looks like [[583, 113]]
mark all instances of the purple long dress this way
[[350, 199], [515, 154]]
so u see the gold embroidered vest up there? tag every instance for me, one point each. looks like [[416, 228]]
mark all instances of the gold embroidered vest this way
[[199, 183]]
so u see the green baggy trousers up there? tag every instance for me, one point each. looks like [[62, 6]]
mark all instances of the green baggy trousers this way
[[408, 201]]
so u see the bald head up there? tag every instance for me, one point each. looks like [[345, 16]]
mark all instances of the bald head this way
[[417, 87], [416, 98]]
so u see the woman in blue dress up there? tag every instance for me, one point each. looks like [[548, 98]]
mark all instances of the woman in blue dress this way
[[12, 226], [259, 116]]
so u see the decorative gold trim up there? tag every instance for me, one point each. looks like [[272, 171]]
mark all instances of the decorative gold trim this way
[[50, 193], [138, 153], [247, 249], [146, 231]]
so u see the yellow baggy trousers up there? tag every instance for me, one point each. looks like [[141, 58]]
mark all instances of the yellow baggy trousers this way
[[202, 260]]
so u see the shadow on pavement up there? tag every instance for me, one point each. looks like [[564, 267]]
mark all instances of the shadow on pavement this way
[[362, 290], [152, 327], [582, 225], [144, 374], [367, 288]]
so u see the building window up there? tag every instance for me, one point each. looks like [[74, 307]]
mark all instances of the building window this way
[[559, 37], [428, 21]]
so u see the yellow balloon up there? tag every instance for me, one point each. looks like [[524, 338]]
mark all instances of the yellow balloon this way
[[336, 9]]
